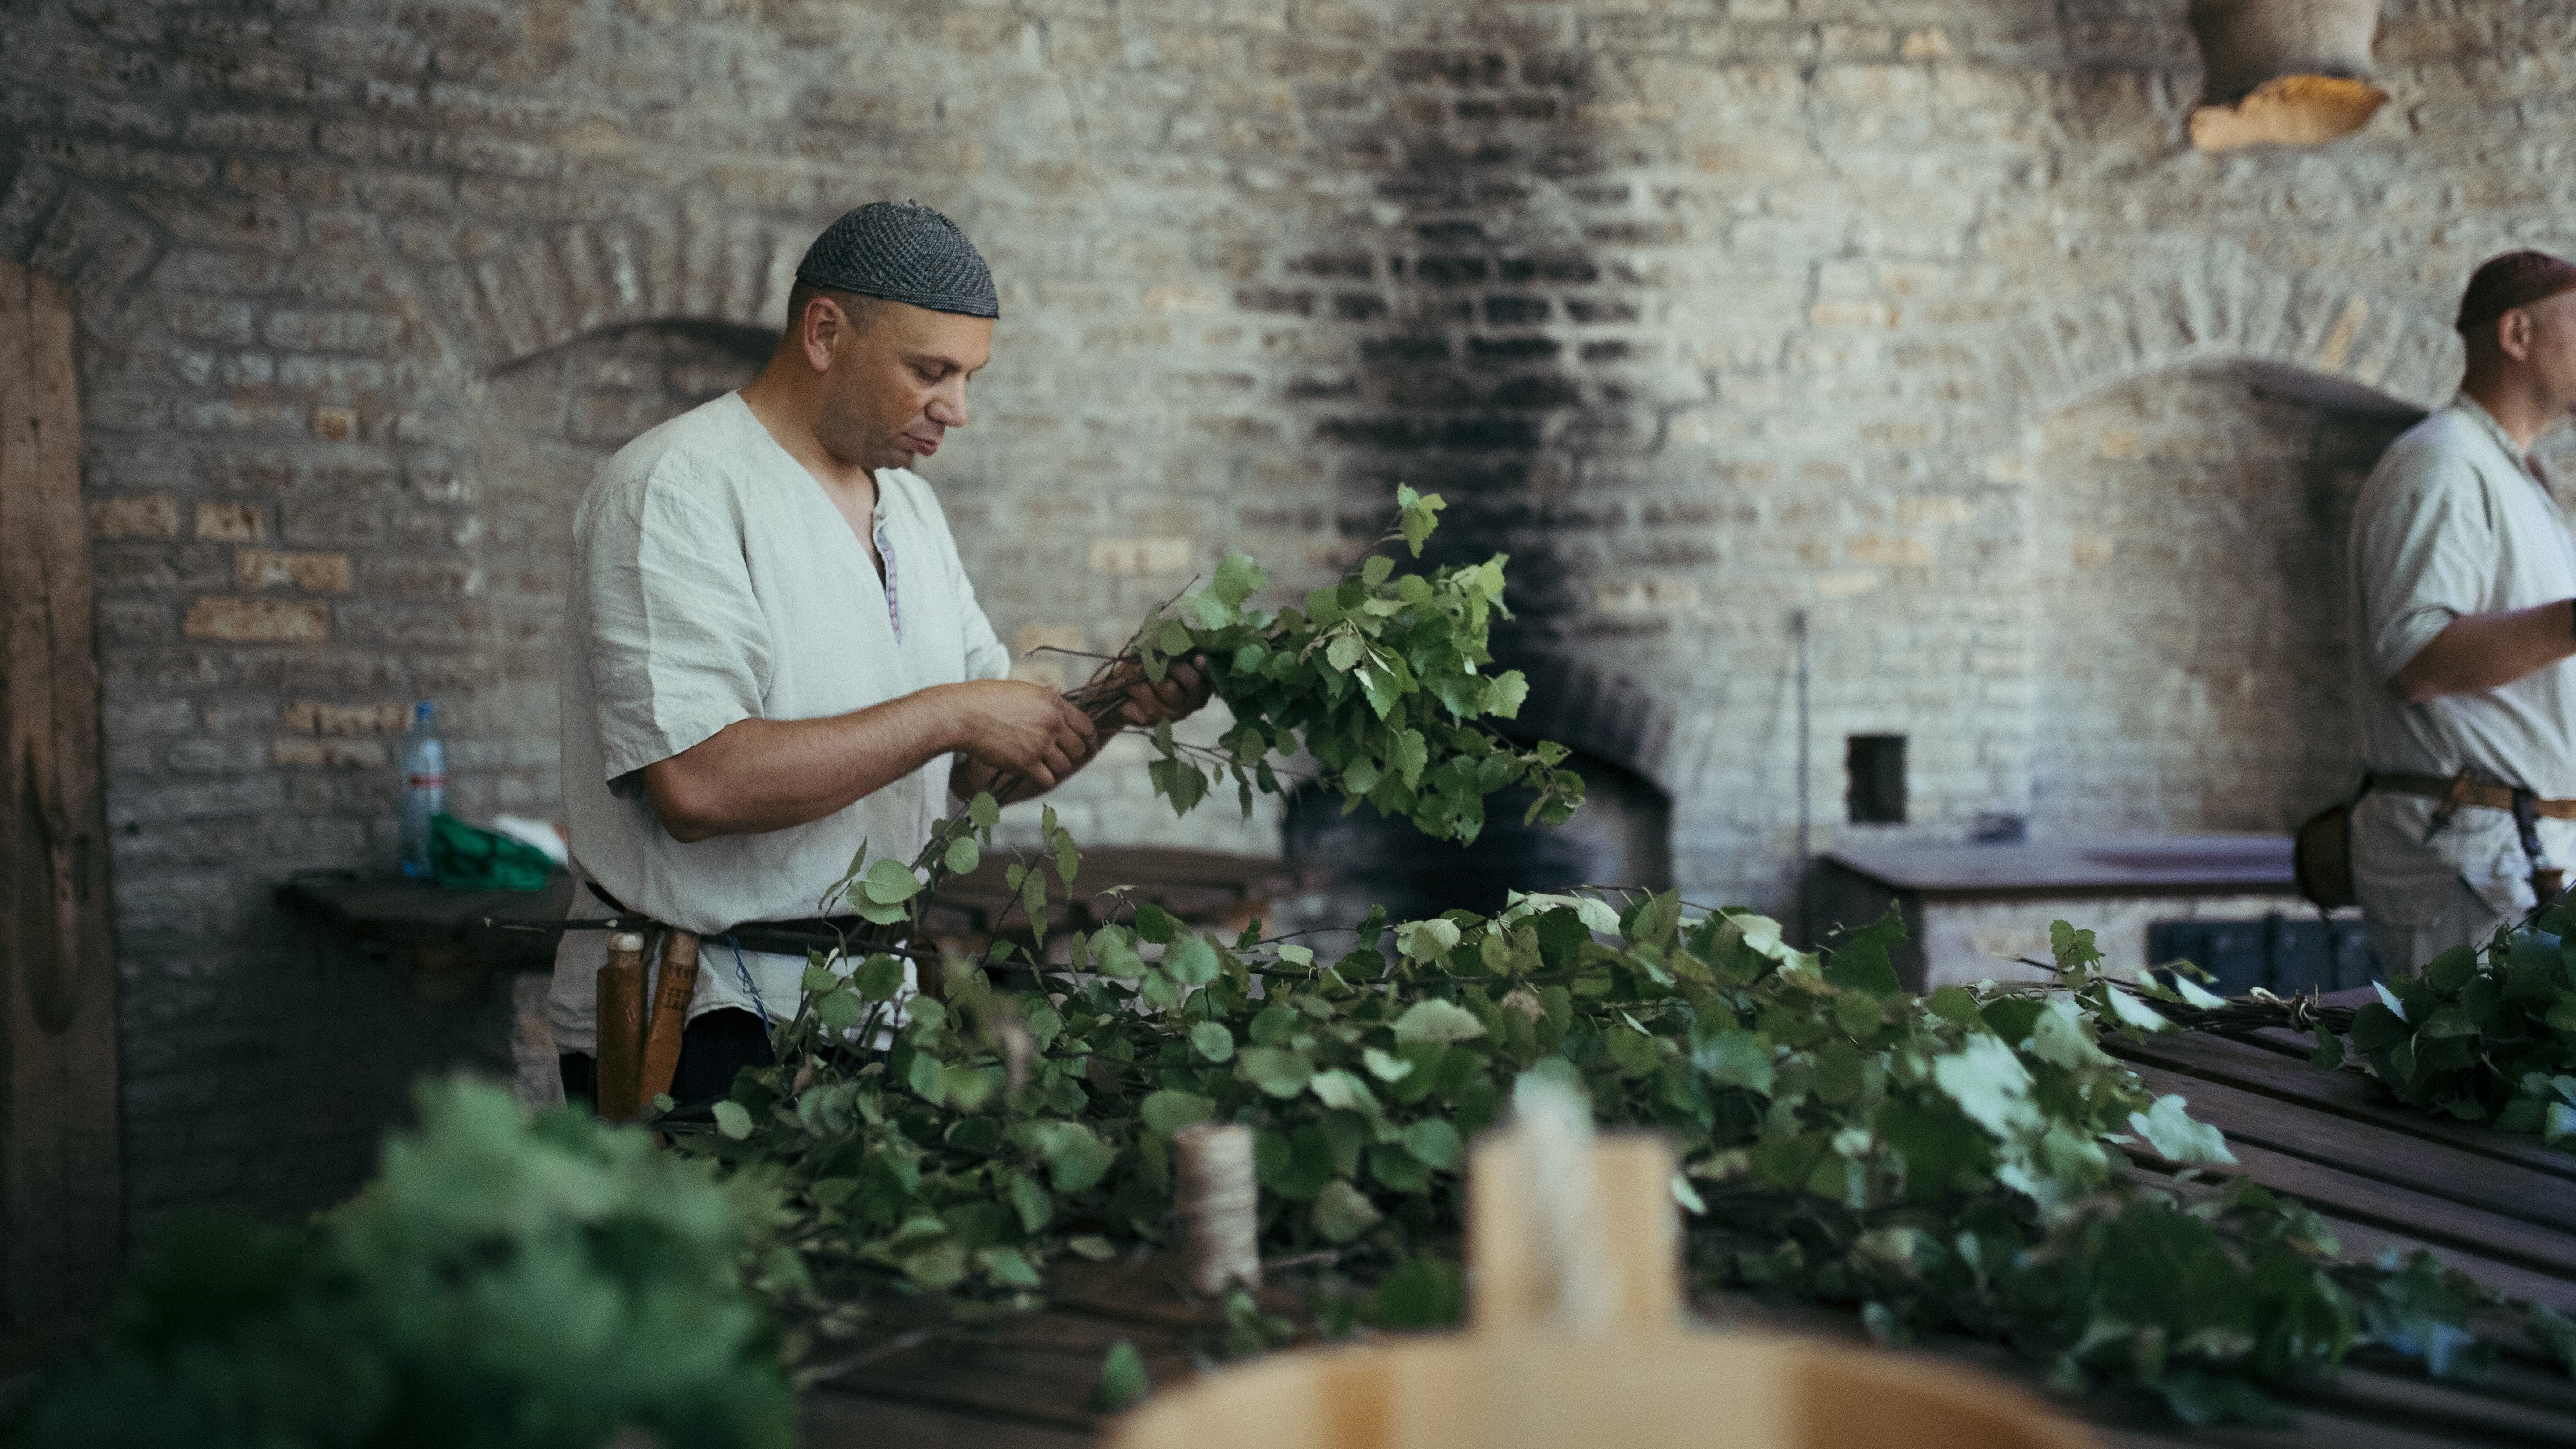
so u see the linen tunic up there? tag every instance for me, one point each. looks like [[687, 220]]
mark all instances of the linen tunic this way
[[2453, 521], [713, 581]]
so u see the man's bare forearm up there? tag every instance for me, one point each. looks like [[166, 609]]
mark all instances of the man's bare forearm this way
[[2488, 651], [757, 775]]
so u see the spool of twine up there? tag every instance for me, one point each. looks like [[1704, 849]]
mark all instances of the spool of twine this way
[[1219, 1204]]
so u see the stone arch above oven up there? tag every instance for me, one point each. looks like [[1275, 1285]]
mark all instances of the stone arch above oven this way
[[2229, 309], [696, 258]]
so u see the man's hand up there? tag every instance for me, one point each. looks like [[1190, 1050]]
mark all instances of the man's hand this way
[[1015, 727], [1181, 692], [757, 775]]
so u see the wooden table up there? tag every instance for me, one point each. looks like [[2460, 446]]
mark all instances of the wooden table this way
[[444, 933], [2501, 1208], [440, 935]]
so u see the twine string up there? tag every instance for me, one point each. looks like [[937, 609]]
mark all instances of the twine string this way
[[1220, 1205]]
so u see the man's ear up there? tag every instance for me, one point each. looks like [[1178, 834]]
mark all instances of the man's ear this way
[[818, 330], [2513, 333]]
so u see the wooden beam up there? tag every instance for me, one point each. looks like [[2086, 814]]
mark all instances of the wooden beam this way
[[61, 1203]]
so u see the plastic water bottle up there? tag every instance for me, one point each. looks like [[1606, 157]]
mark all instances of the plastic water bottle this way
[[424, 789]]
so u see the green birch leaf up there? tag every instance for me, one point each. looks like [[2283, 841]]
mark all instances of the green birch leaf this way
[[1435, 1020], [1434, 1143], [1034, 1205], [1989, 1083], [1213, 1040], [1191, 961], [1426, 940], [1076, 1159], [1340, 1089], [1123, 1383], [1732, 1057], [733, 1120], [2133, 1012], [1169, 1111], [839, 1011], [963, 856], [1156, 925], [891, 882], [2170, 1130], [2059, 1037], [878, 978], [1112, 956], [1278, 1071], [1384, 1067], [1342, 1212], [1238, 578]]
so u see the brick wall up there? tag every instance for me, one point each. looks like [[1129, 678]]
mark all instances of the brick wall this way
[[1710, 311]]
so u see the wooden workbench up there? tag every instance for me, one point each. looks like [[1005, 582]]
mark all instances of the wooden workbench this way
[[2501, 1208]]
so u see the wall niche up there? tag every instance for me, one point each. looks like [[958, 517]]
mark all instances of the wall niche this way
[[554, 417], [2192, 653]]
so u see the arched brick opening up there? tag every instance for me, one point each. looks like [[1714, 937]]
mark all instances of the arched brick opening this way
[[1622, 836], [2231, 310], [697, 258], [2191, 650], [550, 420]]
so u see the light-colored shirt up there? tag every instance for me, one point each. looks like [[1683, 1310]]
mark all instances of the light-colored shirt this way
[[2454, 521], [714, 581]]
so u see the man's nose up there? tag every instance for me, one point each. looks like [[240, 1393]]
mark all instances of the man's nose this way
[[948, 407]]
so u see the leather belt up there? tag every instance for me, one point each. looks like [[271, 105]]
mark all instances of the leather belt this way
[[775, 938], [2464, 791], [2547, 880]]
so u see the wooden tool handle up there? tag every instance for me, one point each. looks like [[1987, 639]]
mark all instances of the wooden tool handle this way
[[621, 1029], [1639, 1236], [671, 992]]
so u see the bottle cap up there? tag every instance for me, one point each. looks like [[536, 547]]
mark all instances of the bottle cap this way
[[423, 710]]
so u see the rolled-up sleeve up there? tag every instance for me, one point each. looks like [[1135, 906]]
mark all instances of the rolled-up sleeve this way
[[2426, 557], [677, 644]]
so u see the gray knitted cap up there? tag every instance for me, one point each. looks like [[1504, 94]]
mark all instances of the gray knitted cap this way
[[904, 253]]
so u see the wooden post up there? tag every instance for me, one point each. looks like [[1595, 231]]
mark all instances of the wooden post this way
[[61, 1201]]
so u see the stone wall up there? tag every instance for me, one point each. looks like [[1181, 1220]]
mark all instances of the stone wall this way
[[1710, 311]]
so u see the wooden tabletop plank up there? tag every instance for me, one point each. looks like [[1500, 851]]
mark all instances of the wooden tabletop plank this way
[[848, 1421], [2457, 1409], [2410, 1213], [2292, 1081], [1037, 1368], [2366, 1242], [2415, 1163]]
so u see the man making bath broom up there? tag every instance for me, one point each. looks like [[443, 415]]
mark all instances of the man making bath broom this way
[[772, 652]]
